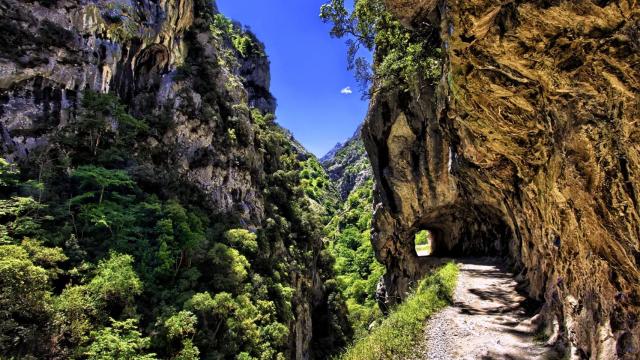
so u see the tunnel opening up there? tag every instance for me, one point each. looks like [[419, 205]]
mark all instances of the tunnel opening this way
[[457, 232], [423, 243]]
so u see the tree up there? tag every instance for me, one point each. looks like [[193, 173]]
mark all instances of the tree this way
[[213, 312], [121, 340], [75, 314], [189, 351], [25, 301], [166, 254], [104, 131], [180, 329], [48, 258], [115, 282], [95, 177], [180, 325], [359, 27], [8, 174], [182, 235], [422, 237], [232, 267], [243, 240], [111, 291], [400, 58], [19, 218]]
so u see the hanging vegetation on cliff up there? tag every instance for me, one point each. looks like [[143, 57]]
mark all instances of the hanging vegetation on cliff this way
[[401, 58], [153, 221]]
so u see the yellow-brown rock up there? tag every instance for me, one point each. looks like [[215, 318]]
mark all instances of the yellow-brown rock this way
[[528, 147]]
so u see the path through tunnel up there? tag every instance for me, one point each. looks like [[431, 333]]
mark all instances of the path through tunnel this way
[[454, 231], [422, 242], [462, 231]]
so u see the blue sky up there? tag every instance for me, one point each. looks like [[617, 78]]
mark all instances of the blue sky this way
[[308, 69]]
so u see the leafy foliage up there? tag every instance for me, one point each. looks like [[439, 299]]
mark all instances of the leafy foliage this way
[[318, 187], [356, 268], [103, 266], [396, 336], [8, 174], [121, 340], [97, 261], [401, 59], [422, 237], [25, 299], [104, 131], [242, 40]]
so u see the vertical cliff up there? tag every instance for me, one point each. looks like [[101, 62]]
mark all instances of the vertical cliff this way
[[165, 105], [145, 53], [526, 146]]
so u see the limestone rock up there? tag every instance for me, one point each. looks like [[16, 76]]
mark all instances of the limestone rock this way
[[163, 61], [410, 11], [527, 147], [111, 48]]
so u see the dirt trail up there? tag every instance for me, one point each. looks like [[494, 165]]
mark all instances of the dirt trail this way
[[488, 320]]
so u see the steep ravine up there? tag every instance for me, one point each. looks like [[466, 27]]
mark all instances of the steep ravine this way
[[527, 147], [148, 200], [147, 128]]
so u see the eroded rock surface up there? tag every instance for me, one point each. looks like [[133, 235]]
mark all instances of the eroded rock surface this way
[[527, 147], [193, 88], [141, 51]]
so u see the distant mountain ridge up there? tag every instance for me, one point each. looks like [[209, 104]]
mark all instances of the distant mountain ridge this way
[[347, 164]]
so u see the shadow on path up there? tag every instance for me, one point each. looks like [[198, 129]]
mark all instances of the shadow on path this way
[[489, 319]]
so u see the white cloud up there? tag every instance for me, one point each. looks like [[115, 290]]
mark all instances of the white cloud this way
[[346, 91]]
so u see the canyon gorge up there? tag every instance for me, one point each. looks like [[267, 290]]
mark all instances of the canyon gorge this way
[[151, 206]]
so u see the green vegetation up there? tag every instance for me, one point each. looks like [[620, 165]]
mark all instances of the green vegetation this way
[[396, 336], [243, 41], [423, 242], [424, 249], [350, 165], [357, 271], [97, 264], [423, 237], [353, 151], [318, 187], [401, 59], [121, 340], [100, 261]]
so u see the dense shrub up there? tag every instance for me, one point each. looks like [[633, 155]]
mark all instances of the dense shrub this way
[[102, 266], [396, 336]]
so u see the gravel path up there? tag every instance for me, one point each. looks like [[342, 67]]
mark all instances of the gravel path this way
[[487, 321]]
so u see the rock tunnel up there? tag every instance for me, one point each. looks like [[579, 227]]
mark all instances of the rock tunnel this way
[[455, 231], [460, 232], [495, 158]]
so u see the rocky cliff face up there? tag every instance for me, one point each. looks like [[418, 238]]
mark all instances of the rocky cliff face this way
[[348, 165], [166, 64], [53, 51], [527, 147]]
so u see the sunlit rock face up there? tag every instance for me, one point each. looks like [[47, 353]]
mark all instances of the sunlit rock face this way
[[527, 147], [54, 50], [161, 59]]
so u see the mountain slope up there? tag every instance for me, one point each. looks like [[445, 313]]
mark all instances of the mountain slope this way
[[349, 232], [151, 207], [348, 165]]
